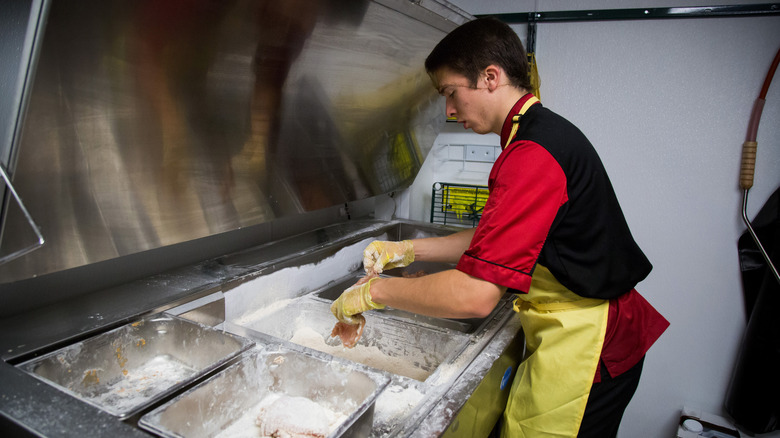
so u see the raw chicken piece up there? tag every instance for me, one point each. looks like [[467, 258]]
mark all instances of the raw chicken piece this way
[[349, 333], [293, 417]]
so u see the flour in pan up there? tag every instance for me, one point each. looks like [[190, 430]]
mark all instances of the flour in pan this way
[[138, 385], [284, 416], [367, 355]]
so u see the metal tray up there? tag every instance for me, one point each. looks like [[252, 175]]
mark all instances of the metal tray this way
[[227, 404], [398, 347], [127, 369]]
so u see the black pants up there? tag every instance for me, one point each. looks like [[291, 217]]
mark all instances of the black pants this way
[[607, 402]]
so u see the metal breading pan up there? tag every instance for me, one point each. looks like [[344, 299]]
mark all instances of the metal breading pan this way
[[129, 368], [404, 348], [228, 403]]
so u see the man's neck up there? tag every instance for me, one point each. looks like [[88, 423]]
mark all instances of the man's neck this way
[[508, 98]]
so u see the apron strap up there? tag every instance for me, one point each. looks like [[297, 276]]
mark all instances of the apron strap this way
[[516, 118]]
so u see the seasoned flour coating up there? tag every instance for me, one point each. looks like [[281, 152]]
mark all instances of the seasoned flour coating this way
[[293, 417]]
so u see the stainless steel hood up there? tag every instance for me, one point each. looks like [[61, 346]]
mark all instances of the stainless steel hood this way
[[148, 124]]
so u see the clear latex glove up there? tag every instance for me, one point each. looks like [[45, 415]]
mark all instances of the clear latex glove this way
[[380, 255], [353, 302]]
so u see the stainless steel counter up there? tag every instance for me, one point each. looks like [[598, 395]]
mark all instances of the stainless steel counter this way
[[32, 408]]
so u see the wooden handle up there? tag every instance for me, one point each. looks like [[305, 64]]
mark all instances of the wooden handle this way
[[748, 167]]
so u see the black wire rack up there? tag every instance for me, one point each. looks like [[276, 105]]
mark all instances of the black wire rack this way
[[457, 204]]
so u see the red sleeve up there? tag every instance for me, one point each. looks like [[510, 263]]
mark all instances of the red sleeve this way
[[527, 188]]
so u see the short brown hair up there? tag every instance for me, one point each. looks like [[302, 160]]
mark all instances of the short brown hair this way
[[474, 45]]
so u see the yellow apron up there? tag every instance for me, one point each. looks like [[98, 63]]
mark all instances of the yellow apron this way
[[564, 334]]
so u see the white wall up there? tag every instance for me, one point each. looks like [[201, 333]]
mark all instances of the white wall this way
[[666, 103], [445, 163]]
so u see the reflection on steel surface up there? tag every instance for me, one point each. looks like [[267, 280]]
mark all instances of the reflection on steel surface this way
[[151, 123], [35, 245]]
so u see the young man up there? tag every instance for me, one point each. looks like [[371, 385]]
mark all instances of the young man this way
[[551, 232]]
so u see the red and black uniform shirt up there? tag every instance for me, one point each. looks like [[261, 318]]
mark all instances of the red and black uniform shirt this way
[[551, 202]]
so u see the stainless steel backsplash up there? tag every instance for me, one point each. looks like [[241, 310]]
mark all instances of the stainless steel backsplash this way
[[150, 123]]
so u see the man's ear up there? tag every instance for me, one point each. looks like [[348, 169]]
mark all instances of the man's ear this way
[[493, 74]]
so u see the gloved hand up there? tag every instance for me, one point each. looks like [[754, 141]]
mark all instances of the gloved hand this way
[[354, 301], [380, 255]]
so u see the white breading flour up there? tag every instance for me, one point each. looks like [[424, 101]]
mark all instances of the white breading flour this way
[[246, 426], [258, 294], [370, 356]]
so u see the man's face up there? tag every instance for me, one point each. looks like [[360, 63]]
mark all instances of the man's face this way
[[469, 104]]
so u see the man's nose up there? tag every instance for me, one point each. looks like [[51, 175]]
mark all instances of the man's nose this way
[[450, 110]]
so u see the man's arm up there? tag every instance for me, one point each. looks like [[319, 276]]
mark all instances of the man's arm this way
[[446, 294], [443, 249]]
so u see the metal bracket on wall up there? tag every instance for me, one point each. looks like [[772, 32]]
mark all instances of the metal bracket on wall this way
[[748, 10], [34, 246], [530, 46]]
